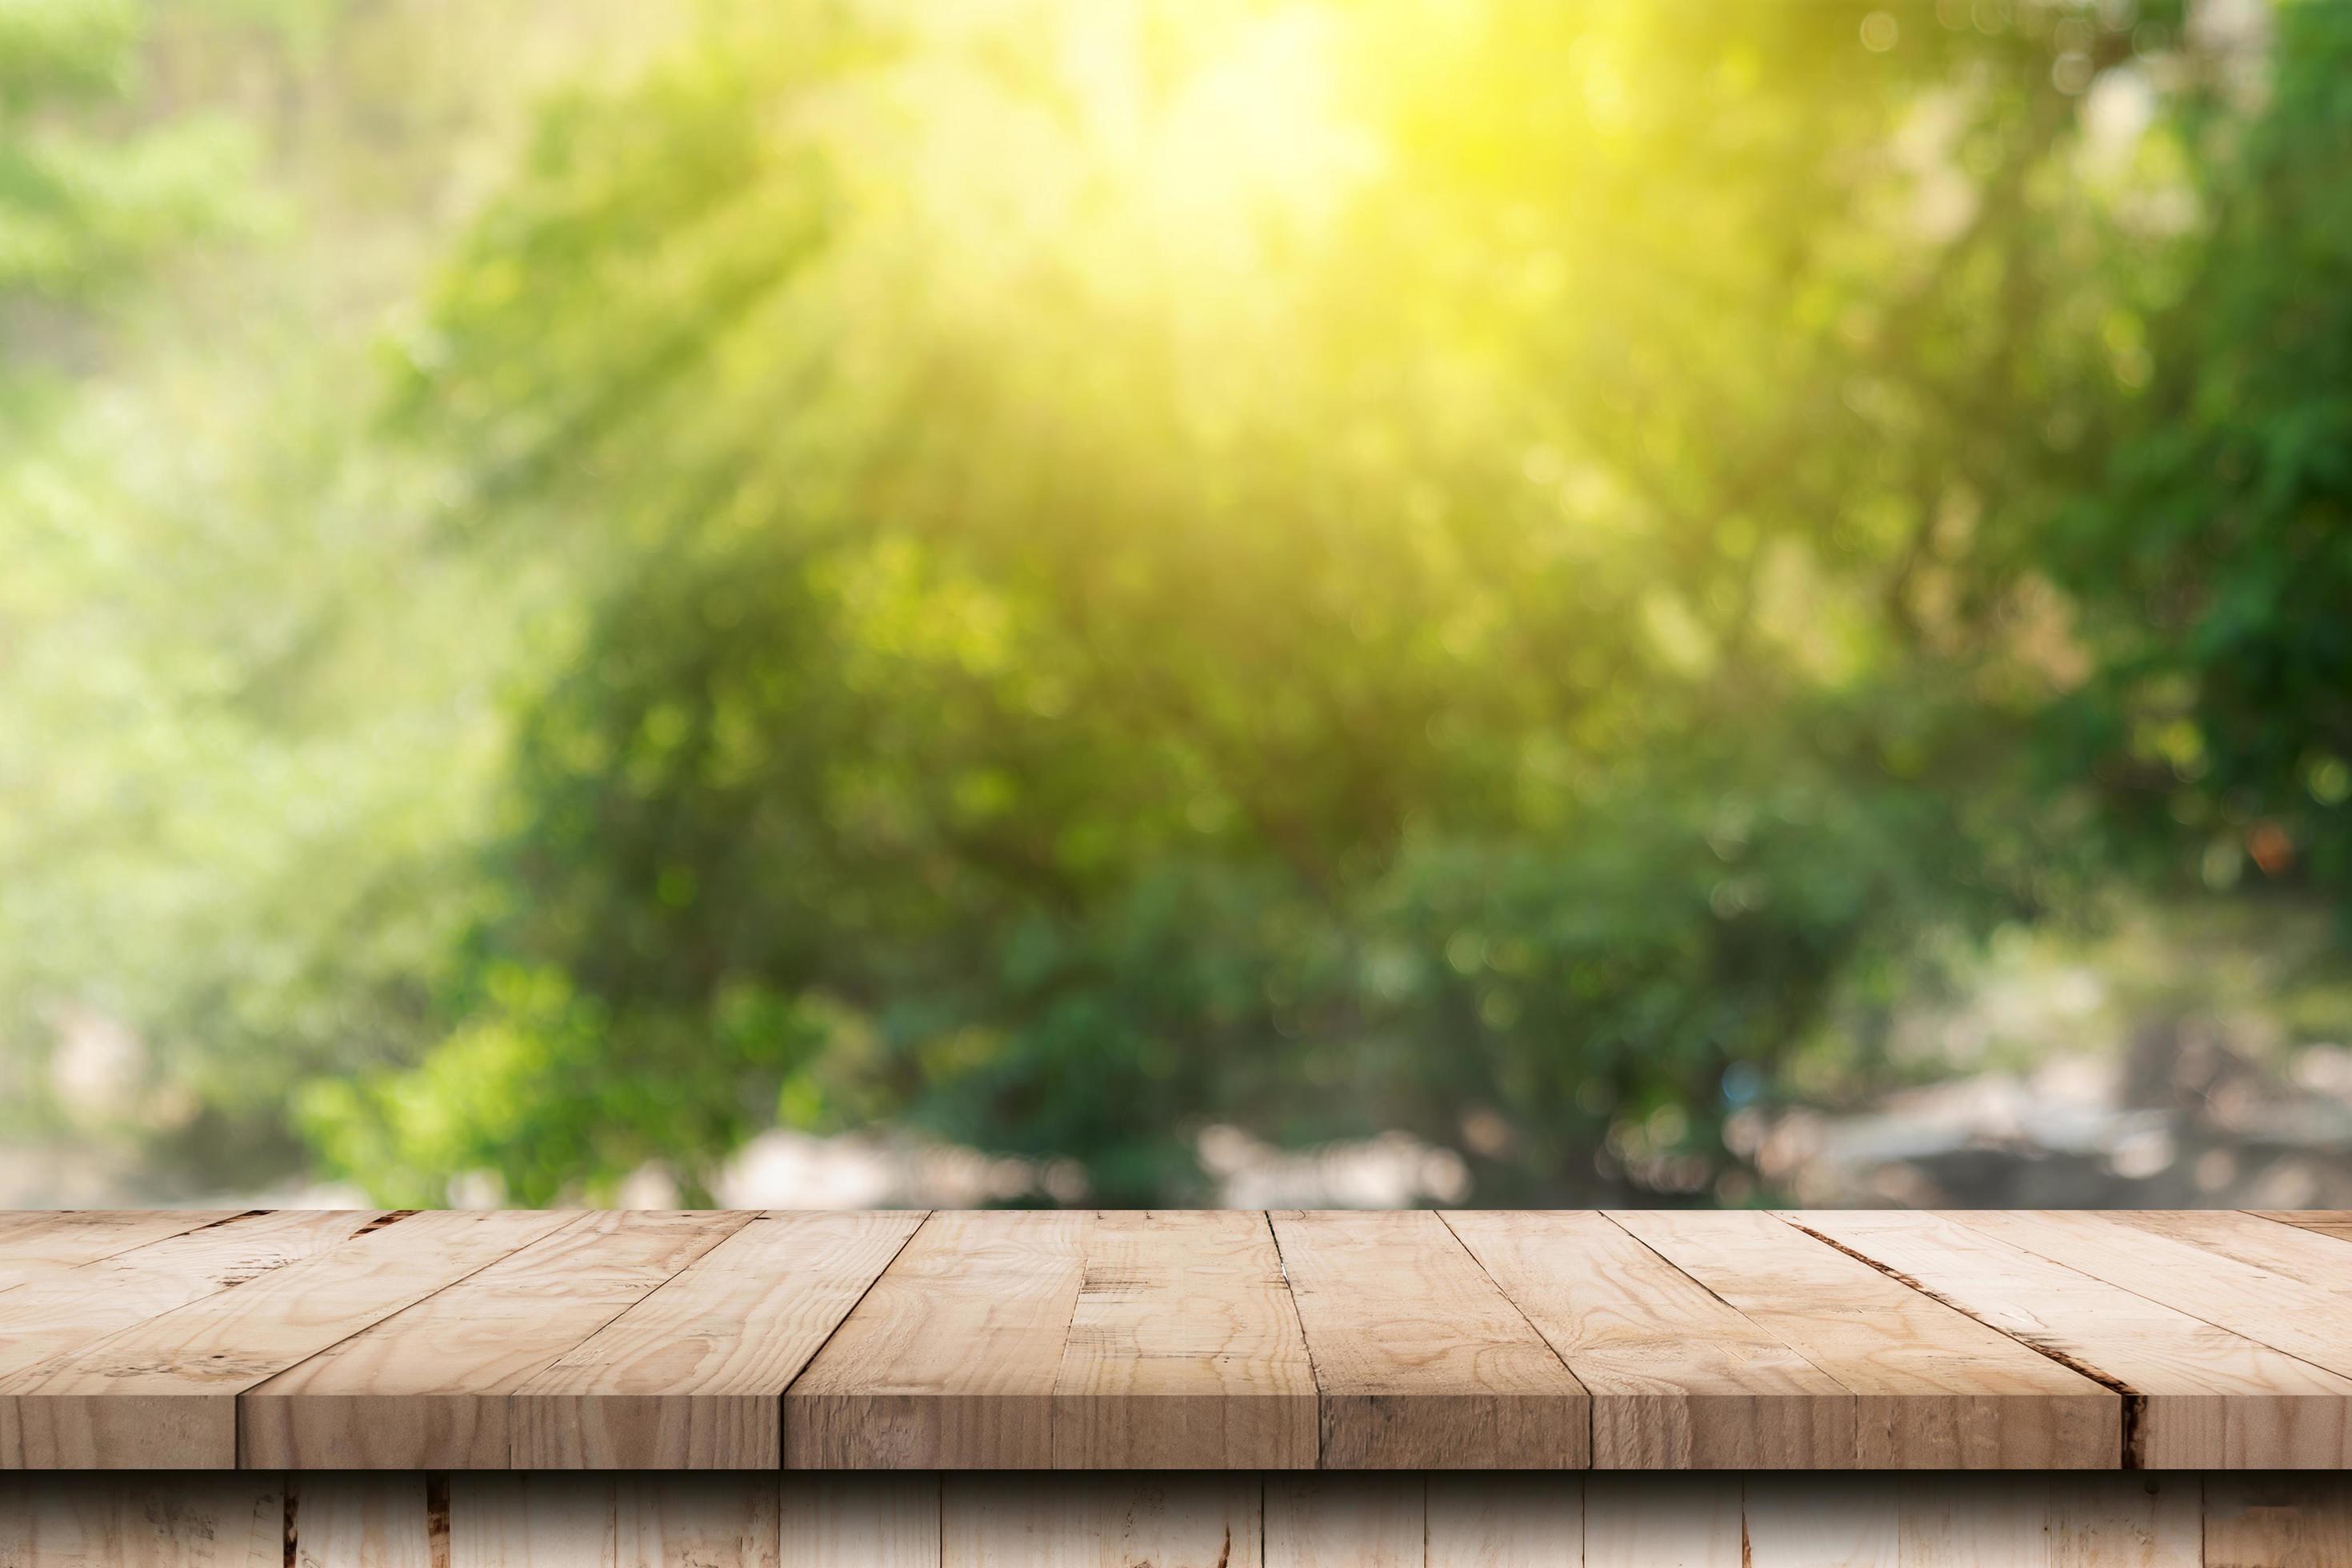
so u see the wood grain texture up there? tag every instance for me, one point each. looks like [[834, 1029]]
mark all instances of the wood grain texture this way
[[1505, 1522], [33, 1242], [1184, 1351], [2316, 1260], [359, 1521], [147, 1521], [1013, 1341], [695, 1522], [1646, 1520], [62, 1310], [2334, 1223], [2282, 1311], [692, 1376], [1099, 1522], [428, 1387], [2277, 1521], [848, 1519], [1972, 1520], [1679, 1378], [1419, 1361], [163, 1393], [1944, 1521], [2205, 1398], [949, 1361], [2147, 1521], [1934, 1389], [530, 1521], [1610, 1520], [1173, 1341], [1346, 1521]]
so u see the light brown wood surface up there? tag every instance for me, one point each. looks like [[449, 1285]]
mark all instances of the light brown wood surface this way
[[695, 1521], [529, 1521], [33, 1242], [55, 1311], [1346, 1521], [1641, 1520], [1065, 1340], [1679, 1378], [2336, 1223], [861, 1519], [1099, 1521], [1184, 1350], [1934, 1389], [1503, 1522], [1134, 1520], [359, 1521], [2277, 1521], [1172, 1341], [950, 1360], [1784, 1527], [2203, 1397], [691, 1375], [2288, 1313], [146, 1521], [2314, 1258], [162, 1392], [428, 1387], [1421, 1359]]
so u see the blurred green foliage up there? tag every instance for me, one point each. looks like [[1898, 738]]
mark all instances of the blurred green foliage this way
[[1058, 574]]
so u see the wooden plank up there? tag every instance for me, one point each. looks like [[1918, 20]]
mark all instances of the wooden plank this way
[[61, 1309], [852, 1519], [2150, 1519], [1345, 1521], [2337, 1223], [1851, 1521], [1024, 1341], [530, 1521], [2204, 1398], [2145, 1520], [695, 1522], [2316, 1260], [163, 1393], [2261, 1304], [1099, 1521], [1420, 1361], [427, 1387], [2278, 1521], [692, 1376], [1505, 1521], [1962, 1522], [147, 1521], [949, 1361], [1934, 1389], [36, 1241], [359, 1521], [1634, 1520], [2053, 1519], [1184, 1351], [1679, 1378]]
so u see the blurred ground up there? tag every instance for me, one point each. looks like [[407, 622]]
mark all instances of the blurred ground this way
[[2191, 1057]]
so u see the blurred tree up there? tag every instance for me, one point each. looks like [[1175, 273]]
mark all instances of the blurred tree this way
[[86, 205], [1065, 571], [2212, 554], [241, 783], [1322, 569]]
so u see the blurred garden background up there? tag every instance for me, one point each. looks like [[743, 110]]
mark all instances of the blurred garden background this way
[[804, 602]]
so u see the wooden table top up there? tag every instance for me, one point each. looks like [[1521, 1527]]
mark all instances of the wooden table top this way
[[1075, 1339]]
